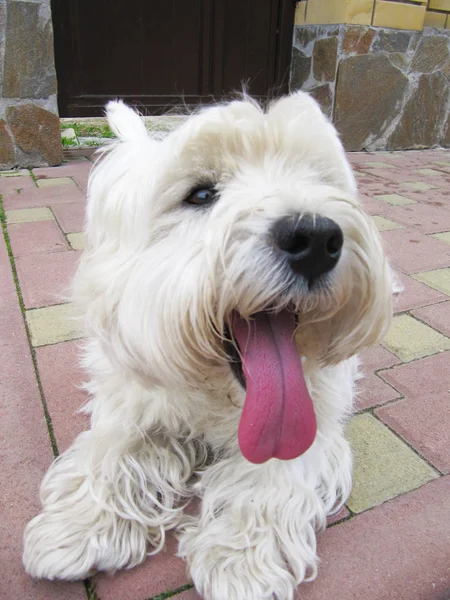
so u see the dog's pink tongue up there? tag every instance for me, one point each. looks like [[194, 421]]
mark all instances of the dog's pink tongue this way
[[278, 419]]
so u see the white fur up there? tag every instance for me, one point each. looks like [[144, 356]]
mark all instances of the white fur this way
[[156, 286]]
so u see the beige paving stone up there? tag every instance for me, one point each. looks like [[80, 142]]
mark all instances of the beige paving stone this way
[[442, 237], [379, 165], [439, 279], [76, 240], [384, 466], [395, 199], [386, 224], [52, 324], [28, 215], [417, 186], [431, 172], [15, 173], [56, 181], [408, 339]]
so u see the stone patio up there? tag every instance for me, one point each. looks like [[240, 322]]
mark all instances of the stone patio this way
[[392, 540]]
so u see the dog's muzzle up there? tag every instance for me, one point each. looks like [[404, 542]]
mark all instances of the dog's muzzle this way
[[312, 244]]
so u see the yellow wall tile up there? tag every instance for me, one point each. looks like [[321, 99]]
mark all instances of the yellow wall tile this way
[[440, 5], [434, 19], [359, 12], [398, 16], [300, 13], [325, 12]]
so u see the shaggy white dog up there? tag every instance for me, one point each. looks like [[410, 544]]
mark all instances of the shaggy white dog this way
[[230, 278]]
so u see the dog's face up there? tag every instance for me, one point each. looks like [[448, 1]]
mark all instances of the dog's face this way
[[236, 226]]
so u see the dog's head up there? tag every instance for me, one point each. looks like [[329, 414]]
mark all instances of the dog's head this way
[[220, 243]]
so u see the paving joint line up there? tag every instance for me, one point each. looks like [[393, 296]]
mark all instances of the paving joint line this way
[[27, 330], [88, 583], [172, 593]]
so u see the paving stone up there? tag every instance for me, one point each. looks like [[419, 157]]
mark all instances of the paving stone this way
[[414, 294], [424, 218], [371, 390], [419, 186], [412, 251], [15, 173], [30, 198], [76, 240], [395, 199], [24, 448], [427, 376], [45, 278], [43, 236], [442, 237], [420, 422], [439, 279], [11, 184], [63, 394], [384, 467], [54, 182], [436, 315], [408, 339], [428, 172], [52, 324], [28, 215], [398, 551], [386, 224], [156, 575], [343, 513], [72, 169], [372, 206], [70, 216]]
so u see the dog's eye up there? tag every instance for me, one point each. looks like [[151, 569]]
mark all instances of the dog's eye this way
[[202, 197]]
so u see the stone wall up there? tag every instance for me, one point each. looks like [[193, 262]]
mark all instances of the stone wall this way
[[384, 89], [29, 125]]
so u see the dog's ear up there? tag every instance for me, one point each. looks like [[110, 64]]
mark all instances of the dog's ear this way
[[126, 123], [311, 135]]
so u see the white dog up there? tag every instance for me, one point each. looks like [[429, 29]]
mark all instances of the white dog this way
[[230, 278]]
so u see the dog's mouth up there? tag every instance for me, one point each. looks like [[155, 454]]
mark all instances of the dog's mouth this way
[[278, 419]]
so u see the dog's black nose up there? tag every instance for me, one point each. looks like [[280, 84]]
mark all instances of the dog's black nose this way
[[312, 243]]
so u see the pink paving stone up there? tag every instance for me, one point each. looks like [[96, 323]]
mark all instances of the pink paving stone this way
[[372, 205], [411, 251], [10, 184], [61, 378], [45, 278], [70, 216], [25, 450], [156, 575], [343, 513], [437, 315], [402, 176], [371, 390], [40, 236], [36, 197], [425, 377], [414, 294], [397, 551], [72, 169], [423, 217], [422, 423]]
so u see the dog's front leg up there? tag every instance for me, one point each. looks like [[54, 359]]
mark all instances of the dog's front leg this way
[[255, 537], [113, 491]]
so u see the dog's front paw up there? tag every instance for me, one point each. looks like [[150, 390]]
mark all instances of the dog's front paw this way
[[57, 547], [235, 564]]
